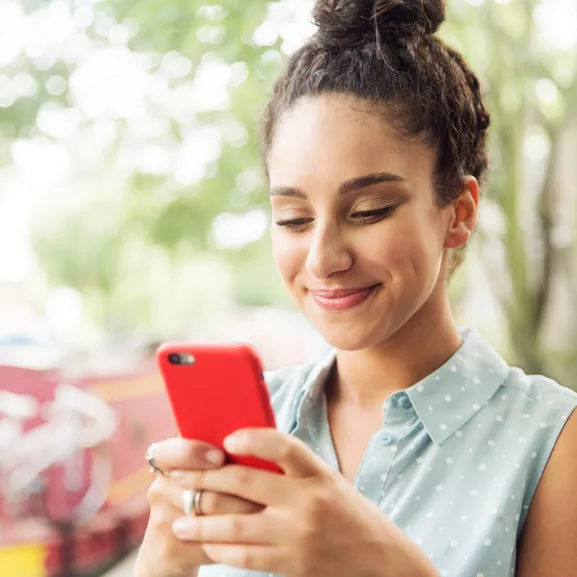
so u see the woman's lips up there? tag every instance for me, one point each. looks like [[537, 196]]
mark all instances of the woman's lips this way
[[342, 299]]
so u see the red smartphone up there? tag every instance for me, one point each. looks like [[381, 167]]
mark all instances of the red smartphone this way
[[214, 390]]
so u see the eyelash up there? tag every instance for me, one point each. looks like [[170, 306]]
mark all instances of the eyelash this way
[[366, 217], [375, 215]]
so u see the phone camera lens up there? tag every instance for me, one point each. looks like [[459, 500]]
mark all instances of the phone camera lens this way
[[174, 358]]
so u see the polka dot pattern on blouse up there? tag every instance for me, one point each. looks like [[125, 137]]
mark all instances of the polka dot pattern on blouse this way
[[457, 459]]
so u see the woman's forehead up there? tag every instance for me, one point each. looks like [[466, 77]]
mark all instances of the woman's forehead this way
[[338, 138]]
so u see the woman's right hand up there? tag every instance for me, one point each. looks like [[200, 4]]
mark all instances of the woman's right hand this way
[[162, 554]]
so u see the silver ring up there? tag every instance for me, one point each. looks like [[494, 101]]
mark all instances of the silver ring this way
[[191, 502], [151, 460]]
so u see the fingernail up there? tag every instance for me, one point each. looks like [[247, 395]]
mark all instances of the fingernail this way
[[214, 456], [232, 443], [184, 526]]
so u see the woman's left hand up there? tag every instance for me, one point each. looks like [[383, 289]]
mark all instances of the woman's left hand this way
[[314, 524]]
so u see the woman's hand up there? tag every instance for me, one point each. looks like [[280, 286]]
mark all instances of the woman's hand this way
[[314, 524], [161, 553]]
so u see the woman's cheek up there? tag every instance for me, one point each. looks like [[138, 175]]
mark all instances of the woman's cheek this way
[[389, 249], [286, 257]]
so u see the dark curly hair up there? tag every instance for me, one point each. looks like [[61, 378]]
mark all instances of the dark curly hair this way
[[385, 52]]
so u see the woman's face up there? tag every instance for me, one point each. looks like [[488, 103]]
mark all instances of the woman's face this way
[[356, 234]]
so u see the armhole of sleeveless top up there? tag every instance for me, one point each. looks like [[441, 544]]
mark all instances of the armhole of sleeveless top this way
[[542, 464]]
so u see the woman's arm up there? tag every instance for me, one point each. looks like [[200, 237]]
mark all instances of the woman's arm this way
[[548, 544]]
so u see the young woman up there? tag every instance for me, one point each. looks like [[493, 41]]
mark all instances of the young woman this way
[[412, 449]]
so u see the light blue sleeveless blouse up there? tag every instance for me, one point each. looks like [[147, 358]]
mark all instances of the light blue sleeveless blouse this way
[[456, 461]]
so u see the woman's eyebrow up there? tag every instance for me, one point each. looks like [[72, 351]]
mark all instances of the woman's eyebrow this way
[[345, 187]]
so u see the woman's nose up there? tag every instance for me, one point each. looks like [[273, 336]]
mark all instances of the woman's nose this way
[[328, 253]]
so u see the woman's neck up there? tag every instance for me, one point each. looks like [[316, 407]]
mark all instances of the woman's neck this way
[[365, 378]]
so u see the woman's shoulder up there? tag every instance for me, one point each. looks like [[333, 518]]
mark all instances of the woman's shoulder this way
[[286, 378], [287, 385], [287, 382], [282, 381], [536, 408], [538, 391]]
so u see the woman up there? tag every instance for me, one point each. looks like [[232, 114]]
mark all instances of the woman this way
[[413, 449]]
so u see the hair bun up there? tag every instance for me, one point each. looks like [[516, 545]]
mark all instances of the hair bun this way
[[351, 22]]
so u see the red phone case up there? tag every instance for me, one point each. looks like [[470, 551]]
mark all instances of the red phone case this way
[[221, 392]]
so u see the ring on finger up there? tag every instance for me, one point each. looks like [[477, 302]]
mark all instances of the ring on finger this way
[[191, 502], [151, 460]]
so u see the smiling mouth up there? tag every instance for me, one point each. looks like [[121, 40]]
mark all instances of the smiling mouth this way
[[343, 299]]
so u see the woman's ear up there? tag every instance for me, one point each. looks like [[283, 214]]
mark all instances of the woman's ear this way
[[464, 214]]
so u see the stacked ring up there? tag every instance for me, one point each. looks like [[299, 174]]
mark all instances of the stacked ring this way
[[191, 502]]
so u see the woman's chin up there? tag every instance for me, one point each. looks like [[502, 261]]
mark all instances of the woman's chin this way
[[352, 338], [351, 330]]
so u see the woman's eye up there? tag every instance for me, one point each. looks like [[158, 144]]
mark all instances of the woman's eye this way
[[373, 215], [294, 223], [362, 216]]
